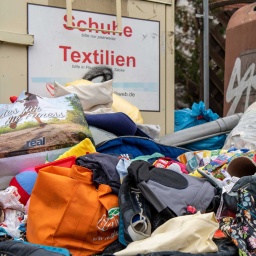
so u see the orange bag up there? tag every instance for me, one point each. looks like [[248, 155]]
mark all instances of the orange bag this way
[[67, 210]]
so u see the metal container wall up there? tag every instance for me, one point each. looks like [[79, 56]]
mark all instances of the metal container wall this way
[[240, 60]]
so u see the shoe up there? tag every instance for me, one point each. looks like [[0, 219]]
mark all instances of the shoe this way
[[42, 125], [135, 213]]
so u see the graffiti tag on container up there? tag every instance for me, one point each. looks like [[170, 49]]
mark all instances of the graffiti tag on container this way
[[238, 84]]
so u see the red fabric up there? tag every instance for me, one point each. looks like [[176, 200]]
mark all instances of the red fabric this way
[[24, 196]]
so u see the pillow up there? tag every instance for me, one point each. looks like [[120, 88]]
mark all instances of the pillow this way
[[92, 96], [35, 124]]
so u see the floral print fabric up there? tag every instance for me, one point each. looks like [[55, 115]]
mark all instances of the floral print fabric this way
[[242, 228]]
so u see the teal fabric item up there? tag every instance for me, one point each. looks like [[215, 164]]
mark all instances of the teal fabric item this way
[[213, 143], [121, 231], [149, 157]]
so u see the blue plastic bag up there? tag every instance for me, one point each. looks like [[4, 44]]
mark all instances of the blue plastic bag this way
[[186, 118], [213, 143]]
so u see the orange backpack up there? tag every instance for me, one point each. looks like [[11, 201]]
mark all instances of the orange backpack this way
[[67, 210]]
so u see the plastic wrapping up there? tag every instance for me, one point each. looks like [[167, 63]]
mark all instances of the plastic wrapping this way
[[198, 115], [185, 118], [243, 134]]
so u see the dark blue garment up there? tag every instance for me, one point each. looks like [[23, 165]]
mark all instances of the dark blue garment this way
[[117, 123], [103, 167], [20, 248], [138, 146]]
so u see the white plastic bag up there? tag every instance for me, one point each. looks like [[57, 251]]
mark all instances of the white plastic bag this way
[[243, 134]]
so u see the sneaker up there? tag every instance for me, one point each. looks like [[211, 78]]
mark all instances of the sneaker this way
[[135, 213]]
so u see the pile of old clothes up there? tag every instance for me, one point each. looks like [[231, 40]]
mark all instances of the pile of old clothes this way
[[132, 196]]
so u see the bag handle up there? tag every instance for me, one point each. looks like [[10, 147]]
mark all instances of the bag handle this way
[[103, 72]]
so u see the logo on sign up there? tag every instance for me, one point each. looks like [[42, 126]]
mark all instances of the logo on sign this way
[[35, 142]]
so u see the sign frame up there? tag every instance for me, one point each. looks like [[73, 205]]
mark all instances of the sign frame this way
[[151, 89]]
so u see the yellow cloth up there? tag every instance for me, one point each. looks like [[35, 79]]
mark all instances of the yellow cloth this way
[[79, 82], [196, 174], [82, 148], [188, 233], [122, 105]]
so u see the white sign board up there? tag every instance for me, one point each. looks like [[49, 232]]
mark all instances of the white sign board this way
[[65, 54]]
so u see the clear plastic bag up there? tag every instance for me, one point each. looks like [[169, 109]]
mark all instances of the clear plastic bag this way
[[243, 134]]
